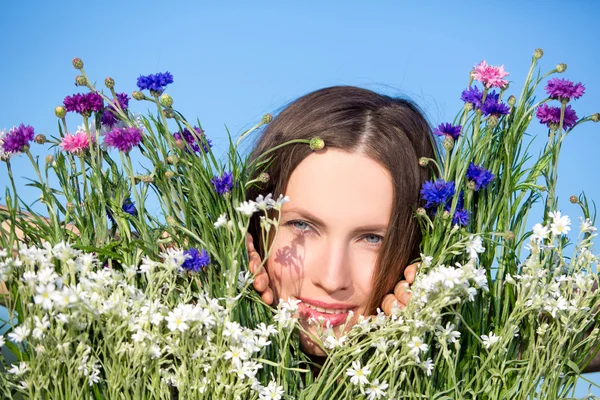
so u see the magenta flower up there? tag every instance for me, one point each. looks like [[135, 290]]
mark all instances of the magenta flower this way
[[124, 139], [77, 143], [550, 116], [83, 104], [109, 115], [17, 139], [564, 90], [489, 75]]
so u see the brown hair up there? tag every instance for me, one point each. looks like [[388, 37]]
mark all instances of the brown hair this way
[[391, 131]]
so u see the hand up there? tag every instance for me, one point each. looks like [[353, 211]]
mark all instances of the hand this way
[[401, 293], [261, 279]]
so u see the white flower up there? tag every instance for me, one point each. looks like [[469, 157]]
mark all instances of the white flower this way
[[19, 334], [489, 341], [247, 207], [586, 226], [233, 330], [263, 330], [63, 251], [475, 246], [448, 333], [244, 278], [271, 392], [221, 221], [2, 341], [417, 345], [332, 342], [19, 369], [236, 355], [426, 260], [291, 305], [265, 203], [560, 224], [376, 390], [44, 295], [177, 320], [280, 202], [428, 366], [358, 375], [41, 324], [555, 305], [539, 232]]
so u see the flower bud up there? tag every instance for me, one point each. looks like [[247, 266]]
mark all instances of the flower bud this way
[[172, 160], [146, 178], [49, 159], [266, 119], [538, 53], [180, 144], [423, 161], [171, 221], [512, 100], [70, 207], [471, 185], [468, 106], [60, 111], [169, 113], [166, 100], [561, 67], [138, 95], [109, 82], [574, 199], [77, 63], [448, 143], [446, 214], [80, 80], [596, 117], [510, 235], [40, 138], [169, 174], [316, 144], [264, 177], [492, 121], [421, 211]]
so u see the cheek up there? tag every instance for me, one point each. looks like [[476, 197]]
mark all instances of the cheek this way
[[364, 271], [286, 264]]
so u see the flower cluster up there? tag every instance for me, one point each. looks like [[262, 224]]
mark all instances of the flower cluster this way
[[564, 91], [155, 82], [84, 104], [194, 139], [488, 107], [550, 116], [479, 176], [124, 139], [441, 193], [195, 260]]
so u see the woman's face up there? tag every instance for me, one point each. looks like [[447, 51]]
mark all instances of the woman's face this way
[[330, 234]]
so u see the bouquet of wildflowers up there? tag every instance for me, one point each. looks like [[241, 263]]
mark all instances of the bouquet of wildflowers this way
[[107, 300]]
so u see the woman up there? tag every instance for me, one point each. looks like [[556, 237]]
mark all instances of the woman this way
[[348, 231]]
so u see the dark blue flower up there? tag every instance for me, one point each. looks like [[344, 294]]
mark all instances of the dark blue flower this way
[[480, 176], [448, 130], [460, 217], [437, 193], [491, 105], [155, 82], [472, 95], [223, 184], [195, 260], [128, 206]]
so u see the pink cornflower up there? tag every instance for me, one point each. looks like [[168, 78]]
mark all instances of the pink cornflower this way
[[489, 75], [77, 143]]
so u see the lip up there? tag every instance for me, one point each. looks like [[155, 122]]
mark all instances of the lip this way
[[333, 319]]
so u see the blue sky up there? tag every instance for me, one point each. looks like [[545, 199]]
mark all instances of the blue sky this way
[[234, 61]]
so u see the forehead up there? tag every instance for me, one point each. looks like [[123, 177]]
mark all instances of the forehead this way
[[341, 188]]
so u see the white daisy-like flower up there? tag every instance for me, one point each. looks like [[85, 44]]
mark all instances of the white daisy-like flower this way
[[221, 221], [490, 340], [376, 390], [560, 223], [474, 246], [44, 296], [271, 392], [244, 279], [358, 375], [265, 330], [417, 345], [540, 232], [428, 366], [19, 334], [586, 226], [281, 200], [247, 208], [236, 355], [448, 333], [19, 369], [331, 342], [265, 203], [177, 320]]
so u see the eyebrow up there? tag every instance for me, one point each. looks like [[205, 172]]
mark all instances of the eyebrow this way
[[319, 222]]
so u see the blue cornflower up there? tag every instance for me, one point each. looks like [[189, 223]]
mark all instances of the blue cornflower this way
[[128, 206], [446, 129], [155, 82], [460, 217], [223, 184], [491, 105], [480, 176], [195, 260], [472, 95], [437, 193]]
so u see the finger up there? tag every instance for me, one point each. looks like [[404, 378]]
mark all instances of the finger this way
[[401, 292], [410, 272], [388, 303], [267, 296], [254, 262], [261, 283], [249, 242]]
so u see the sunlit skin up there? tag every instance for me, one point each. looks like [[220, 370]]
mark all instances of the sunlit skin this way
[[330, 234]]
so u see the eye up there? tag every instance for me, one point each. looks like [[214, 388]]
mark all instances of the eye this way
[[299, 225], [373, 240]]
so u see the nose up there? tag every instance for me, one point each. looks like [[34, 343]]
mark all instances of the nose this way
[[334, 274]]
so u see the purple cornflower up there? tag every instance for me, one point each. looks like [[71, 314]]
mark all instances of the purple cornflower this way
[[472, 95], [564, 90], [551, 116], [124, 139], [83, 104], [491, 105], [194, 139], [446, 129], [18, 138], [109, 115], [479, 175], [155, 82], [223, 184], [195, 260], [437, 193], [128, 206], [460, 217]]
